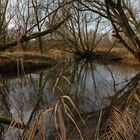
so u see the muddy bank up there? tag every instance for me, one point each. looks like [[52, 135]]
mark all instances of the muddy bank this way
[[98, 56], [24, 63], [107, 57]]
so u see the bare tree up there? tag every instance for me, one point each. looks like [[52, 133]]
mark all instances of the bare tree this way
[[123, 18], [82, 32], [30, 18], [3, 22], [37, 13], [119, 14]]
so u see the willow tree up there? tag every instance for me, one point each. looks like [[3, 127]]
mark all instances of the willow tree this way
[[82, 33]]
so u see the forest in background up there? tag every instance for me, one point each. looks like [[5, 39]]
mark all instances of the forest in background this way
[[82, 25]]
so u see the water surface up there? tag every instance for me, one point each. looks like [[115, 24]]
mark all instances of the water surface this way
[[91, 87]]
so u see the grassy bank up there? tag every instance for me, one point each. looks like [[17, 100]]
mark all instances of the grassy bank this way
[[28, 61], [24, 61]]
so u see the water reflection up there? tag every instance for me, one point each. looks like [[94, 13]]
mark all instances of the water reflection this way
[[91, 86]]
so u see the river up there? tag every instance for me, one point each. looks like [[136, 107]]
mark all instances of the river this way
[[86, 88]]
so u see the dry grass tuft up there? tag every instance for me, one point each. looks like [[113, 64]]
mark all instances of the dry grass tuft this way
[[122, 126], [36, 127], [62, 106], [124, 121]]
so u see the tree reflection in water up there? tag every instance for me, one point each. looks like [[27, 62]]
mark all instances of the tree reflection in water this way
[[110, 91]]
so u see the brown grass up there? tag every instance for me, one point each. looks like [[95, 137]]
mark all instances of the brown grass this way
[[59, 54], [121, 125], [36, 128], [123, 121], [24, 61], [126, 55]]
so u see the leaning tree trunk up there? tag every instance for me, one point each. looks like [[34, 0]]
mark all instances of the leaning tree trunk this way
[[3, 47], [121, 25]]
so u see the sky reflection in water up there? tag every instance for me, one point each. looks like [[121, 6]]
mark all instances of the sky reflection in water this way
[[90, 86]]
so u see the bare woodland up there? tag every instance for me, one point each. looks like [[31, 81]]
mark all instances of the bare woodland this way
[[80, 24]]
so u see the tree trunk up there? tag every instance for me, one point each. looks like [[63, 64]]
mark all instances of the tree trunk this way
[[123, 24], [3, 47]]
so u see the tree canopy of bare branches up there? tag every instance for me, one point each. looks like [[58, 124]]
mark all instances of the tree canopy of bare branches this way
[[25, 20]]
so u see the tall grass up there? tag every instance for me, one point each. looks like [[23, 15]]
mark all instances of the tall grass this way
[[36, 128], [123, 122], [119, 122]]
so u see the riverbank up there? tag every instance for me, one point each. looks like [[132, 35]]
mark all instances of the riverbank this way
[[116, 54], [14, 62], [24, 61]]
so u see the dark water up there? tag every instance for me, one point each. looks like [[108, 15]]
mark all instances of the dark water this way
[[91, 86]]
